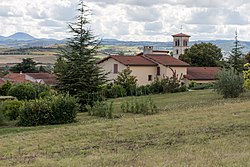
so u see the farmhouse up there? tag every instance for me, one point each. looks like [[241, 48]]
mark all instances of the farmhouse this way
[[151, 64], [42, 78]]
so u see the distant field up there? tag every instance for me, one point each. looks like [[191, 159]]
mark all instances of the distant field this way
[[196, 128], [5, 59]]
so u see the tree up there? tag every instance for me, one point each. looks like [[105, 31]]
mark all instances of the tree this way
[[236, 57], [127, 81], [229, 83], [76, 69], [247, 57], [28, 65], [203, 54]]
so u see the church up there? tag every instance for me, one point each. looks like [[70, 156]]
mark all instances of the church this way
[[151, 64]]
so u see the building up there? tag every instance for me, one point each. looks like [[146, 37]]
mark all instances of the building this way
[[180, 44], [201, 74], [146, 67], [151, 64], [42, 78]]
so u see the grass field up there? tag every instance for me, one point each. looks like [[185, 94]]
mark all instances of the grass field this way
[[196, 128]]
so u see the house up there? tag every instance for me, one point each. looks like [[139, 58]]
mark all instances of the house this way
[[146, 67], [150, 63], [201, 74], [42, 78]]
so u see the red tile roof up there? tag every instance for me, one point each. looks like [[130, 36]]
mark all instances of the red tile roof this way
[[167, 60], [2, 81], [202, 73], [131, 60], [181, 35], [15, 77], [47, 78]]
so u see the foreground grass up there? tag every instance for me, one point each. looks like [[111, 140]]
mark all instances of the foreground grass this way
[[193, 129]]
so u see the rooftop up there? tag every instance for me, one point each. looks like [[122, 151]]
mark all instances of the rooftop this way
[[181, 35], [202, 73]]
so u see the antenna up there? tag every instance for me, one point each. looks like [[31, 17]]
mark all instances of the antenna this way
[[181, 28]]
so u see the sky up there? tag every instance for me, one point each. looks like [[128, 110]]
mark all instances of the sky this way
[[135, 20]]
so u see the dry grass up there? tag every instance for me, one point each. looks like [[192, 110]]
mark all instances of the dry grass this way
[[193, 129]]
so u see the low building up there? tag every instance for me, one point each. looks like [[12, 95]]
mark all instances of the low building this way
[[201, 74], [42, 78]]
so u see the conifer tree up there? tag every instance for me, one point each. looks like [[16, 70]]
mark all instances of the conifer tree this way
[[77, 70], [236, 56]]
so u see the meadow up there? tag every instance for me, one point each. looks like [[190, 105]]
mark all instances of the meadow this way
[[195, 128]]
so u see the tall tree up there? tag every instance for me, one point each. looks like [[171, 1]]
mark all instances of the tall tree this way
[[203, 54], [236, 60], [77, 70], [27, 65]]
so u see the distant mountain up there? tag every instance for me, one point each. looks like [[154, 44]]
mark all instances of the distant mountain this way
[[20, 36]]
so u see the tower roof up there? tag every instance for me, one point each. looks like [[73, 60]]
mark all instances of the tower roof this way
[[181, 35]]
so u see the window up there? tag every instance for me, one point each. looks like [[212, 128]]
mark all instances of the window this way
[[115, 68], [185, 43], [177, 42], [149, 77], [158, 71], [177, 51]]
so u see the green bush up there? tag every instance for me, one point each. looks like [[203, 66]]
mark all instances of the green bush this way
[[139, 106], [5, 88], [40, 88], [182, 88], [203, 86], [101, 109], [23, 91], [2, 117], [49, 111], [10, 109], [115, 91], [143, 90], [165, 85], [229, 84]]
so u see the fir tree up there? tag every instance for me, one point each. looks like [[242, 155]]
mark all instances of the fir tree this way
[[236, 56], [77, 70]]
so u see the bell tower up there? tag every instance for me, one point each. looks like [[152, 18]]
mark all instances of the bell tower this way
[[180, 44]]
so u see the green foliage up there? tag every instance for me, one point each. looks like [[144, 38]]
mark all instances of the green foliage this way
[[23, 91], [246, 73], [144, 106], [127, 81], [203, 55], [229, 84], [165, 85], [2, 118], [28, 65], [143, 90], [236, 60], [115, 91], [40, 88], [192, 84], [49, 111], [203, 86], [5, 88], [247, 58], [101, 109], [76, 70], [10, 109]]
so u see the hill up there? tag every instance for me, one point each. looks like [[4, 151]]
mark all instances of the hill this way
[[204, 130]]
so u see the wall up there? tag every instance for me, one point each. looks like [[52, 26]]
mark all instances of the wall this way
[[142, 72], [108, 66], [167, 72]]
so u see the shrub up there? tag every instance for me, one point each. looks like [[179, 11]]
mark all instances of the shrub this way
[[10, 109], [24, 91], [49, 111], [115, 91], [5, 88], [229, 84], [101, 109], [203, 86], [182, 88], [139, 106], [2, 118], [143, 90], [165, 85], [40, 88]]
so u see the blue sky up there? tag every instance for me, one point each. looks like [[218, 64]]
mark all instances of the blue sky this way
[[154, 20]]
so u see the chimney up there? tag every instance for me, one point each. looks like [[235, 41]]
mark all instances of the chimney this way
[[147, 50]]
